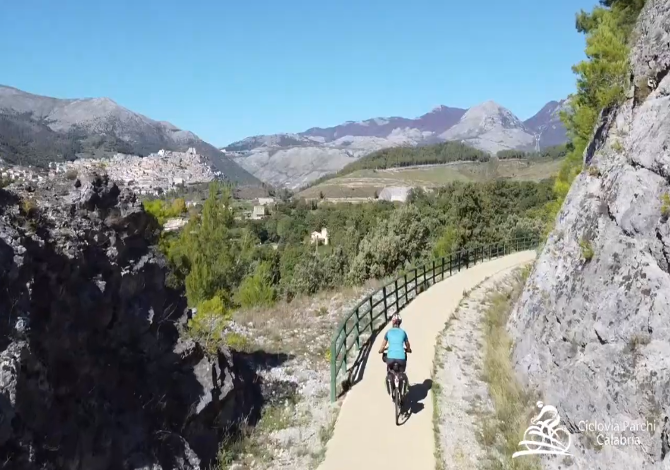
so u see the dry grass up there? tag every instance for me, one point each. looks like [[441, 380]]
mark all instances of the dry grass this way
[[513, 406], [314, 316]]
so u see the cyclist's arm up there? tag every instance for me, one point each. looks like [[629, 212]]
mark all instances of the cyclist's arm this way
[[408, 348], [384, 343]]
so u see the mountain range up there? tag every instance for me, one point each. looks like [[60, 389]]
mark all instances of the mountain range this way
[[294, 160], [35, 130], [38, 129]]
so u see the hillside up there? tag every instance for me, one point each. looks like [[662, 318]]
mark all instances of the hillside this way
[[35, 130], [296, 160], [433, 166]]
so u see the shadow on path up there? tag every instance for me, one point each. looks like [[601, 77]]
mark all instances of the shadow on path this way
[[413, 402]]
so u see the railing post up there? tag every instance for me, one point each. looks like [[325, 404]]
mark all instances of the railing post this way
[[333, 374], [345, 347], [397, 296], [356, 330], [451, 263], [405, 277], [386, 311], [467, 259], [442, 269], [433, 273]]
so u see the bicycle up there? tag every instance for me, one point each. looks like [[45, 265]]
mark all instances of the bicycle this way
[[397, 385]]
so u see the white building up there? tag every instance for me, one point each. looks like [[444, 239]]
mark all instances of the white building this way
[[320, 237], [395, 193]]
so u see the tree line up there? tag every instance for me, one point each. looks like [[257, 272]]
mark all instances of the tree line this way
[[226, 262]]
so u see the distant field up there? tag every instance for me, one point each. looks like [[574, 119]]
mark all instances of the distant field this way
[[364, 183]]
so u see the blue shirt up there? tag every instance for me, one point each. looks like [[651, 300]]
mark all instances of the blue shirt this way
[[396, 338]]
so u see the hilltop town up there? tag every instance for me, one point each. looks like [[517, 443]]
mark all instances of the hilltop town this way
[[152, 175]]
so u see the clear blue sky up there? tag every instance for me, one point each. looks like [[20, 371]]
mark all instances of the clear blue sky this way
[[227, 69]]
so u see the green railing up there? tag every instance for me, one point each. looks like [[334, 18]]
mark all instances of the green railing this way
[[361, 325]]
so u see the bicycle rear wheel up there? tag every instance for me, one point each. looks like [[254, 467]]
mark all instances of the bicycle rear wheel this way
[[397, 399]]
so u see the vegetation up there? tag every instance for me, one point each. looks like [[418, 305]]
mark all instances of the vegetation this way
[[587, 249], [602, 80], [163, 211], [397, 157], [665, 205], [513, 406], [226, 262], [553, 153]]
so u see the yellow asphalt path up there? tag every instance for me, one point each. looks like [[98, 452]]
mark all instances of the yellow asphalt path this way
[[366, 436]]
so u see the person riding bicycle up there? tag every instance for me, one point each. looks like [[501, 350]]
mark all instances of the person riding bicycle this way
[[396, 339]]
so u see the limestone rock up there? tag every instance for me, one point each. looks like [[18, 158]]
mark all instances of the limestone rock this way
[[93, 372], [592, 336]]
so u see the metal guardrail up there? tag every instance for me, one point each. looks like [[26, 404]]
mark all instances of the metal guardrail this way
[[358, 329]]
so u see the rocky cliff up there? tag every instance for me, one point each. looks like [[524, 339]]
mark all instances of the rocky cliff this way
[[592, 329], [93, 371]]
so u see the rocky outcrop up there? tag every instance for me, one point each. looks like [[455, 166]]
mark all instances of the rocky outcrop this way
[[93, 372], [592, 329]]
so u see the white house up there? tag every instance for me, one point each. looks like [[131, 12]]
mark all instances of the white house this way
[[259, 212], [265, 201], [320, 237], [398, 193]]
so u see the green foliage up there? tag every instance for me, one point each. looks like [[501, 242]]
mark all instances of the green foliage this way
[[393, 244], [587, 249], [251, 263], [162, 211], [394, 157], [237, 342], [208, 324], [446, 244], [553, 153], [602, 80], [257, 290], [665, 205]]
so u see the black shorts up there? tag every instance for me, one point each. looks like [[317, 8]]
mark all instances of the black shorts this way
[[402, 363]]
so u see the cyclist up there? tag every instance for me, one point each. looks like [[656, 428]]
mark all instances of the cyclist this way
[[396, 340]]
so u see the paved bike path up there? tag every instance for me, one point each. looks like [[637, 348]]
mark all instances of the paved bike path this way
[[366, 436]]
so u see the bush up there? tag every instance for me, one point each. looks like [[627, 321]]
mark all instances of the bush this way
[[208, 324], [587, 249], [394, 243], [257, 290], [665, 205]]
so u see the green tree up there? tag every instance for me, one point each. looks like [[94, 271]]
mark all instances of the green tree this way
[[257, 290], [601, 81]]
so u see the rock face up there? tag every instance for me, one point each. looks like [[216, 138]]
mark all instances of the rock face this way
[[294, 160], [93, 372], [592, 329]]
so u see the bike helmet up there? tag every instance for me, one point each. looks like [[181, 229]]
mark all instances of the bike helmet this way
[[396, 320]]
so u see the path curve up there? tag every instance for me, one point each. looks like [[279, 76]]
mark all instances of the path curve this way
[[365, 435]]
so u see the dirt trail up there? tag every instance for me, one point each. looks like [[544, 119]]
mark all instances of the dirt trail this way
[[365, 435]]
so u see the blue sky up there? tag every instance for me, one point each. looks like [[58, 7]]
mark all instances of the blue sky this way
[[229, 69]]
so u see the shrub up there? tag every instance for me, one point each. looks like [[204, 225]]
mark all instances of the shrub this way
[[257, 290], [71, 174], [394, 242], [587, 249], [237, 342], [28, 207], [208, 324], [665, 205]]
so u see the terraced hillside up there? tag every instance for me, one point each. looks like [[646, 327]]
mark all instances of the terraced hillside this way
[[367, 183]]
